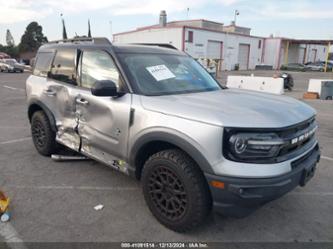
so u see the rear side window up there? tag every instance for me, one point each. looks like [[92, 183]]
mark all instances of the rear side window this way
[[43, 63], [63, 67]]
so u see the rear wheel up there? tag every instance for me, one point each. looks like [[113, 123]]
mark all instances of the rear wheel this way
[[175, 190], [42, 134]]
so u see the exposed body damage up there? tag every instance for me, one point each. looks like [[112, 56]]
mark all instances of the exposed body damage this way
[[97, 131], [68, 121], [103, 128]]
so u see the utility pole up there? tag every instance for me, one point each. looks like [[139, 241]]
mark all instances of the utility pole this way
[[89, 31], [235, 16], [327, 55]]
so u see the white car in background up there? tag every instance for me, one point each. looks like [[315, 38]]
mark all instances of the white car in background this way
[[11, 65]]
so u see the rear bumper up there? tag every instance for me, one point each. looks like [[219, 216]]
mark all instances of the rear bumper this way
[[241, 196]]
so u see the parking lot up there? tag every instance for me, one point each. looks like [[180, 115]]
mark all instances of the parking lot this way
[[54, 201]]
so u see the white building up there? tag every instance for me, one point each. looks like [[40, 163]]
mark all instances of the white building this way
[[232, 45], [201, 39]]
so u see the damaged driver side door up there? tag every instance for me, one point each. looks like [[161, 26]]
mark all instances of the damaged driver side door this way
[[103, 121]]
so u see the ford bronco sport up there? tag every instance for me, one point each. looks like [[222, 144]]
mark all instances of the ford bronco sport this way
[[155, 113]]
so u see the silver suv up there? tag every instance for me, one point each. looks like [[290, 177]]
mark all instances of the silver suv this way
[[154, 113]]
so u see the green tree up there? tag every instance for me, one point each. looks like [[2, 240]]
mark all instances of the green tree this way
[[32, 38], [12, 51], [9, 39]]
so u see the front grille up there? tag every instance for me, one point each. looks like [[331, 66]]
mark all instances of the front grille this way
[[290, 135], [299, 161]]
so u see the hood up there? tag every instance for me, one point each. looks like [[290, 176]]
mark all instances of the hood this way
[[232, 108]]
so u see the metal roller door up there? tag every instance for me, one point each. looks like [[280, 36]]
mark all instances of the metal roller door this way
[[301, 55], [243, 56], [313, 55], [214, 50]]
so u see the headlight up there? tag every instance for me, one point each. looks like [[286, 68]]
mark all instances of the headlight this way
[[268, 145], [244, 146]]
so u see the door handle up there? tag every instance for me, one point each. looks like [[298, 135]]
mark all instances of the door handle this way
[[50, 92], [82, 101]]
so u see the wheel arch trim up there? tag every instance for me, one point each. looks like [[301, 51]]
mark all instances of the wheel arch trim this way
[[43, 107], [173, 139]]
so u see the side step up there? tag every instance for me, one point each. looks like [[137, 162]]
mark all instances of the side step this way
[[61, 158]]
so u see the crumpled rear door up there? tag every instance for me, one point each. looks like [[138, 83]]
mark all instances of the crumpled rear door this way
[[67, 127]]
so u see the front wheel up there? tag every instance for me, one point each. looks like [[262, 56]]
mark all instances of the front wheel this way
[[42, 134], [175, 190]]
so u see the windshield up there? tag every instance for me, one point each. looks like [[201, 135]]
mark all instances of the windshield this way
[[161, 74]]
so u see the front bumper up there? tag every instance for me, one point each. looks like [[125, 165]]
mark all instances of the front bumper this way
[[241, 196]]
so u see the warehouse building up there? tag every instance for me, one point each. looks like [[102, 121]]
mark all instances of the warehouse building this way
[[278, 51], [232, 46], [202, 39]]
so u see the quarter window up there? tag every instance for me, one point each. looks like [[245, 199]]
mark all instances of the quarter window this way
[[63, 68], [97, 65], [43, 63]]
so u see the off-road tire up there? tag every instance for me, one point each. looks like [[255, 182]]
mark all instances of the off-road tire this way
[[42, 134], [189, 208]]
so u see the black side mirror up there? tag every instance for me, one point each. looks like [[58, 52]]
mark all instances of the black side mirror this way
[[105, 88]]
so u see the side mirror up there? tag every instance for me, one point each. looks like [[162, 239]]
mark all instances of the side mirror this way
[[105, 88]]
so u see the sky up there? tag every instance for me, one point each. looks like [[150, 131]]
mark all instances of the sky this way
[[305, 19]]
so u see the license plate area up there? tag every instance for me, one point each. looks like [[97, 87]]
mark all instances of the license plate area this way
[[307, 174]]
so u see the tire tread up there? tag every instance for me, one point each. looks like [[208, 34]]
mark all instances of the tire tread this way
[[195, 176]]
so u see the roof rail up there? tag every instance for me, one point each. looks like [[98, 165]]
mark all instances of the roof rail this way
[[95, 40], [164, 45]]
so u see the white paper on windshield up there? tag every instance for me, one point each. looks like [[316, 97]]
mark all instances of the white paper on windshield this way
[[160, 72]]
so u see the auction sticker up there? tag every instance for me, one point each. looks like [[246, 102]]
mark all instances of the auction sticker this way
[[160, 72]]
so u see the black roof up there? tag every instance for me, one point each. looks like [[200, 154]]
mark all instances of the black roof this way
[[103, 43], [133, 48]]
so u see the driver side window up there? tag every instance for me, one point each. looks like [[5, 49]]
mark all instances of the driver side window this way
[[98, 65]]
